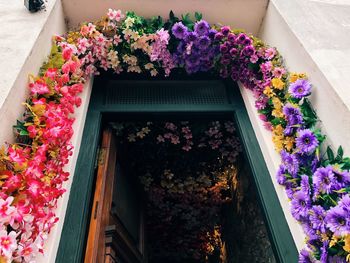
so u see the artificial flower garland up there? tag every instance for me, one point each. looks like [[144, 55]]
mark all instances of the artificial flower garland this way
[[31, 170]]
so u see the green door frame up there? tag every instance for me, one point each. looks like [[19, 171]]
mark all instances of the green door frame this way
[[74, 233]]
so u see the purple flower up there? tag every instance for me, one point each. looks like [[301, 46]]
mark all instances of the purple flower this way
[[248, 50], [218, 36], [191, 36], [225, 30], [247, 41], [324, 252], [294, 118], [300, 205], [337, 220], [304, 184], [261, 102], [291, 162], [300, 88], [317, 216], [336, 259], [201, 27], [306, 141], [341, 177], [305, 257], [212, 33], [231, 37], [233, 52], [203, 42], [241, 38], [179, 30], [323, 180], [281, 174]]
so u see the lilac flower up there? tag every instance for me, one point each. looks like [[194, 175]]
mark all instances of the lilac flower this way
[[191, 36], [323, 180], [203, 42], [306, 141], [179, 30], [261, 102], [281, 174], [342, 178], [338, 220], [300, 88], [212, 33], [336, 259], [291, 162], [300, 205], [305, 257], [324, 252], [294, 118], [317, 216], [304, 184], [233, 52], [201, 27]]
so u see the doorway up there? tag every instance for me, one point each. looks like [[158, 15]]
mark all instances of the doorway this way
[[124, 98]]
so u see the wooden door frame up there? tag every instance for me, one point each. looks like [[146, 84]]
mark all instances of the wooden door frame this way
[[73, 238]]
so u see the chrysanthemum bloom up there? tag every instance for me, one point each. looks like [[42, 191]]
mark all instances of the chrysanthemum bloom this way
[[323, 181], [179, 30], [201, 27], [291, 162], [306, 141], [338, 220], [281, 174], [203, 42], [300, 88], [300, 205], [317, 217]]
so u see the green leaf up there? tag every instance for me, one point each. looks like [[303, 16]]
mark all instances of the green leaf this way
[[198, 16], [330, 154], [23, 132], [340, 154]]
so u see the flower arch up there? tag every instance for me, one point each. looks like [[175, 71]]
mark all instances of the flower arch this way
[[31, 170]]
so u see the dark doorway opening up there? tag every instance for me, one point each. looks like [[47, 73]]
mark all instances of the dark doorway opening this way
[[118, 99]]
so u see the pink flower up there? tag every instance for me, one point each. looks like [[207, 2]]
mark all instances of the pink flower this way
[[170, 126], [254, 58], [51, 73], [278, 72], [270, 53], [115, 15], [39, 87], [5, 207], [8, 244], [67, 53], [18, 155]]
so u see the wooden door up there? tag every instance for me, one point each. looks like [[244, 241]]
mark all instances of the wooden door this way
[[108, 238]]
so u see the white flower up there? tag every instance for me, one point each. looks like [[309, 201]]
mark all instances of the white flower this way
[[129, 22]]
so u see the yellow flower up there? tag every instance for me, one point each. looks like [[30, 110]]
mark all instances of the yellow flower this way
[[278, 141], [288, 142], [278, 130], [295, 76], [334, 241], [346, 247], [277, 113], [268, 92], [277, 83]]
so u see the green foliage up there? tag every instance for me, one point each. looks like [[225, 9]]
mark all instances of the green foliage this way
[[309, 115], [55, 60], [21, 128]]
